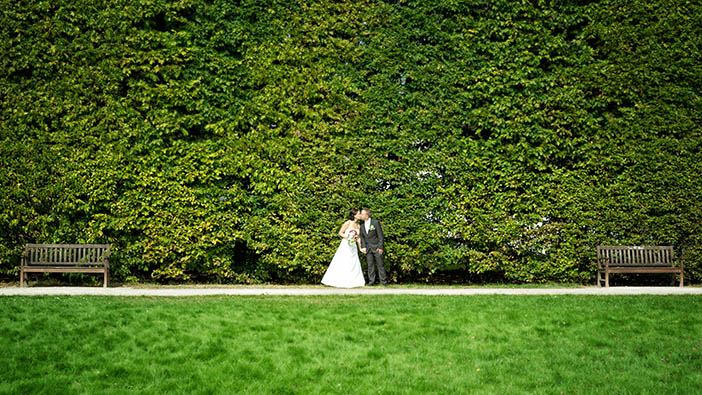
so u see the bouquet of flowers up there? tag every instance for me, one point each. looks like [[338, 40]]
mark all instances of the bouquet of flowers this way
[[352, 237]]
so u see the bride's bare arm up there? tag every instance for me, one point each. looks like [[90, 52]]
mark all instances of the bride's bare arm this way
[[343, 229]]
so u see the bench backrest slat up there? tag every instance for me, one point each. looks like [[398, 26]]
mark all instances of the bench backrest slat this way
[[635, 256], [67, 254]]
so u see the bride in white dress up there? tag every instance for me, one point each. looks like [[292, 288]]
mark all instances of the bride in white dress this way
[[345, 268]]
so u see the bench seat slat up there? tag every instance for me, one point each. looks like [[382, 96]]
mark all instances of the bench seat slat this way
[[63, 269], [648, 269]]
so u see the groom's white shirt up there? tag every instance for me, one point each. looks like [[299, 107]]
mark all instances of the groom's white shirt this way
[[367, 223]]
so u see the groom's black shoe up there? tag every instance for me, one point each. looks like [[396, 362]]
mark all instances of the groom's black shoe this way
[[371, 284]]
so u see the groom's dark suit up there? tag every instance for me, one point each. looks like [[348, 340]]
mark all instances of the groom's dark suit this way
[[372, 241]]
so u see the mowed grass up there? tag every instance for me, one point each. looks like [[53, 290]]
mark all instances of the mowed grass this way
[[352, 344]]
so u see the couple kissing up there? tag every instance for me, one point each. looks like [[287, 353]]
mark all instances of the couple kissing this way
[[360, 232]]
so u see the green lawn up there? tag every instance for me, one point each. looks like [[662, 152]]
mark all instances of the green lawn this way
[[352, 344]]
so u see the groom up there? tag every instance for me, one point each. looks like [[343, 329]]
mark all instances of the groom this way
[[372, 246]]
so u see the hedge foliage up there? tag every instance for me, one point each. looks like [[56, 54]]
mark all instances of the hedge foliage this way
[[226, 140]]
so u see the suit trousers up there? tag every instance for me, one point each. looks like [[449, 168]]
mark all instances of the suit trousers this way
[[375, 259]]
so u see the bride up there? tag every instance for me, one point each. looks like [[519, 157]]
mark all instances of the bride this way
[[345, 268]]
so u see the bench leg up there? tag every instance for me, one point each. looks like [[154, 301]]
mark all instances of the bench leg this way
[[681, 278], [104, 285], [607, 279], [22, 284]]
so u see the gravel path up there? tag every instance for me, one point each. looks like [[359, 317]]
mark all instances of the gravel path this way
[[125, 291]]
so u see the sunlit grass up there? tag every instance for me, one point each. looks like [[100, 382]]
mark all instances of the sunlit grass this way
[[351, 344]]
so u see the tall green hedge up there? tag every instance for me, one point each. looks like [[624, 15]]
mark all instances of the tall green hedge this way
[[226, 140]]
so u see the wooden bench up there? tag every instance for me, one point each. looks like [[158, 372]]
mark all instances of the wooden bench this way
[[636, 259], [65, 258]]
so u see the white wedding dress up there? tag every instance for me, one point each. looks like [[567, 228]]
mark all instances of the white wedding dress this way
[[345, 269]]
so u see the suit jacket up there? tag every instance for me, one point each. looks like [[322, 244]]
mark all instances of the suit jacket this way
[[372, 240]]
